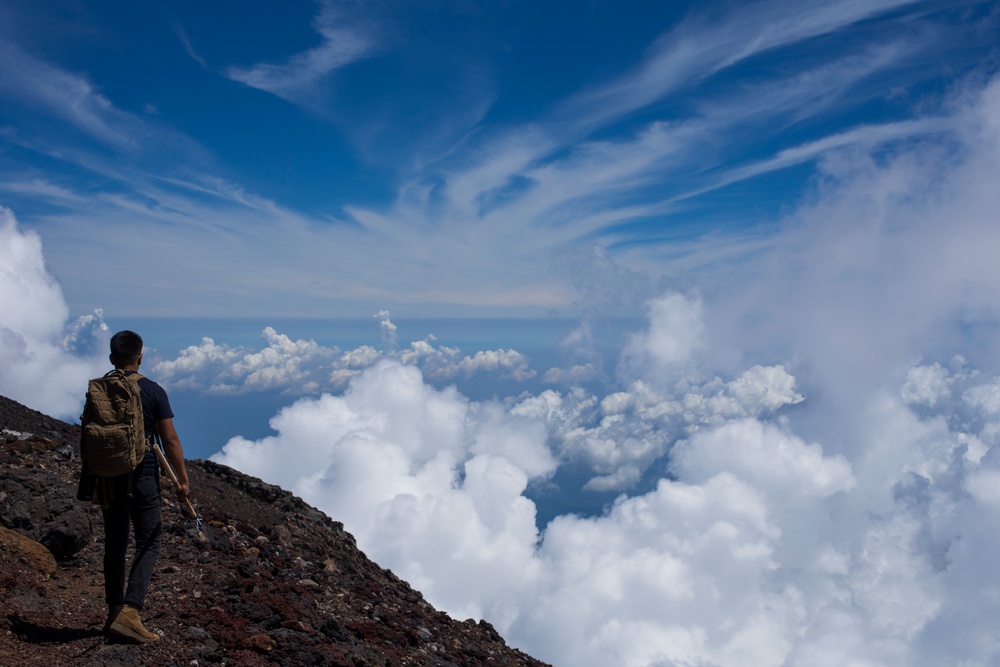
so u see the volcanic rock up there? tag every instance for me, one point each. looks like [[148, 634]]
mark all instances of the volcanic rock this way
[[16, 548]]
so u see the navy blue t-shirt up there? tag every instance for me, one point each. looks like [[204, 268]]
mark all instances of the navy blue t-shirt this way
[[155, 406]]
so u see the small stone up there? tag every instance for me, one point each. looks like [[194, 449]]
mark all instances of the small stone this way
[[281, 535], [262, 642]]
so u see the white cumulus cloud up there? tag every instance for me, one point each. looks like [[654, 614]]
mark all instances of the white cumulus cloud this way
[[303, 367], [812, 497], [45, 360], [414, 471]]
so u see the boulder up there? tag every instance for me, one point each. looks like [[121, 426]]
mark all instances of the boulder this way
[[36, 504], [16, 548]]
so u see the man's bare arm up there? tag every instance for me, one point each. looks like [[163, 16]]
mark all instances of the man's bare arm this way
[[175, 455]]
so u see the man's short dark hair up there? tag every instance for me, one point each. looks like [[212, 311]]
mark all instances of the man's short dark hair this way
[[126, 346]]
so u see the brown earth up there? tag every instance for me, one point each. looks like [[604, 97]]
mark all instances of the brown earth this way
[[275, 583]]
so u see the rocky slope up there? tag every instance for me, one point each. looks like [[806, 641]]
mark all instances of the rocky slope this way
[[276, 582]]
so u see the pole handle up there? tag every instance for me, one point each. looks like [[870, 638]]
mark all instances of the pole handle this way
[[173, 478]]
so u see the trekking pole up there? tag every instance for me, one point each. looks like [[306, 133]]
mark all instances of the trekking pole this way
[[173, 478]]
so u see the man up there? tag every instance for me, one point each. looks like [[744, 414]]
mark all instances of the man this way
[[135, 499]]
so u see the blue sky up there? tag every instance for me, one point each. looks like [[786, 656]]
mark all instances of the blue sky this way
[[787, 455], [443, 158]]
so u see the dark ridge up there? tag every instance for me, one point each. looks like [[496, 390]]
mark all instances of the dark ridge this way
[[277, 583]]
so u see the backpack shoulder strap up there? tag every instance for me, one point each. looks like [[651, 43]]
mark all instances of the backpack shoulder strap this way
[[131, 377]]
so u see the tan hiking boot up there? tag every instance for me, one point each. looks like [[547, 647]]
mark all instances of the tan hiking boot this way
[[128, 624]]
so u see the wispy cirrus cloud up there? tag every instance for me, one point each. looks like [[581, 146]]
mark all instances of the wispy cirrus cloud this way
[[630, 189], [302, 78], [588, 171], [68, 97], [702, 46], [686, 56]]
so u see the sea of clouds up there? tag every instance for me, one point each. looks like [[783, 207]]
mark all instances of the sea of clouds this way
[[818, 429]]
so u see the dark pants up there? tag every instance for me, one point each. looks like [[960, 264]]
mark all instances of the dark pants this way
[[142, 511]]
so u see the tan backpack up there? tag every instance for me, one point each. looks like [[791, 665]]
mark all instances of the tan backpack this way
[[113, 441]]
